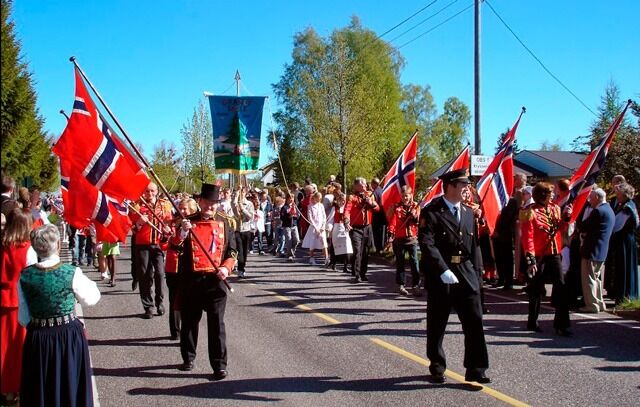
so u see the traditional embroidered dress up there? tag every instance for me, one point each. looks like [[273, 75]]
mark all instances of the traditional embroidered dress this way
[[56, 370]]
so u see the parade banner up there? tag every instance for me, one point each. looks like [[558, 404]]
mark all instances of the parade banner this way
[[236, 123]]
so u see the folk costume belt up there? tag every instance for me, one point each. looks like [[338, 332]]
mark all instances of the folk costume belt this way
[[53, 321]]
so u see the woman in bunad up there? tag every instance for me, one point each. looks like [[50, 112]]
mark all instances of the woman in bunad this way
[[187, 207], [316, 237], [16, 255], [626, 275], [56, 369], [339, 236]]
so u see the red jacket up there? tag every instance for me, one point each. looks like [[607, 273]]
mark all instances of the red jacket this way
[[541, 226], [14, 259], [359, 209], [404, 221], [145, 234]]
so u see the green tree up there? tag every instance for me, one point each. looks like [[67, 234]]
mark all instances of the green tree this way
[[516, 147], [546, 145], [340, 100], [197, 147], [166, 163], [26, 149]]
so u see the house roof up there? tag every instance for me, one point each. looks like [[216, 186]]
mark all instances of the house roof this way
[[567, 159]]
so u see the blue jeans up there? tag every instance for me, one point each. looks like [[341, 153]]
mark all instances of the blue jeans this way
[[399, 249], [279, 241], [292, 238]]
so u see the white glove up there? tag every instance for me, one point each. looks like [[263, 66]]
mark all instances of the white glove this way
[[448, 277], [222, 273]]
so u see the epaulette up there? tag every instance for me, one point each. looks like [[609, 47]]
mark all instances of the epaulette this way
[[526, 213]]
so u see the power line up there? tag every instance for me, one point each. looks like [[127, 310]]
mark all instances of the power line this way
[[538, 59], [407, 19], [424, 21], [436, 26]]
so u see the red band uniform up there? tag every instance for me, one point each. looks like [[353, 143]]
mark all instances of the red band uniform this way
[[201, 288], [541, 241], [403, 233], [358, 213], [149, 261]]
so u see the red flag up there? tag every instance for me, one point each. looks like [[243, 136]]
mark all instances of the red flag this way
[[97, 153], [69, 213], [496, 184], [585, 177], [461, 161], [403, 172]]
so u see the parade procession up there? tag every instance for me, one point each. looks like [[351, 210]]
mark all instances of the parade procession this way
[[340, 240]]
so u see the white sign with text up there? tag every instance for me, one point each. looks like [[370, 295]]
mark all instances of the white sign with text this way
[[479, 164]]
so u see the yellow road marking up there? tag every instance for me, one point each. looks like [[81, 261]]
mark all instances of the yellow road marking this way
[[408, 355], [453, 375]]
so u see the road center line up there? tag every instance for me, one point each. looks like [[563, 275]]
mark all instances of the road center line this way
[[408, 355]]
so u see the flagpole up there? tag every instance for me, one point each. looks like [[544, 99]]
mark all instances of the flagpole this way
[[148, 222], [148, 167], [493, 174]]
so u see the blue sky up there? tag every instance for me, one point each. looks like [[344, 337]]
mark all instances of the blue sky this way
[[152, 60]]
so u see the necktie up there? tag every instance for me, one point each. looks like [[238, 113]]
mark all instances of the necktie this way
[[456, 214]]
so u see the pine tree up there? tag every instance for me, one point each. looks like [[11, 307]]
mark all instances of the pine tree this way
[[26, 149]]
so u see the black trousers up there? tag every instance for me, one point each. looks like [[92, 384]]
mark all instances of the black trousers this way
[[505, 261], [150, 270], [246, 238], [361, 240], [440, 299], [173, 282], [549, 269], [203, 293]]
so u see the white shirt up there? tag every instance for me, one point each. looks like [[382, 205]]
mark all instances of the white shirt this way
[[451, 205], [86, 291]]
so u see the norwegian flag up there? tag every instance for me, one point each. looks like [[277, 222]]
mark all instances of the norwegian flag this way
[[585, 177], [402, 172], [96, 152], [69, 213], [496, 184], [461, 161], [94, 205]]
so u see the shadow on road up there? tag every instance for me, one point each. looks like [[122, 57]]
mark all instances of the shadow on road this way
[[241, 389]]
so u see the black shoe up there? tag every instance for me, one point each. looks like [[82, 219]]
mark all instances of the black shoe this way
[[478, 378], [438, 378], [220, 374], [534, 328], [186, 366], [134, 285], [148, 314], [356, 280], [160, 309], [364, 278], [564, 332]]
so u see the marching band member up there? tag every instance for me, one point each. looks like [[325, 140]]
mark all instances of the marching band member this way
[[202, 288], [149, 256], [541, 224], [358, 213], [403, 234]]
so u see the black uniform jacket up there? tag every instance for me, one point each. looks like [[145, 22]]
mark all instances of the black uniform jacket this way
[[445, 244]]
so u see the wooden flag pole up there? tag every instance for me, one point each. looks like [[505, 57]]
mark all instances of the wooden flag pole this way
[[148, 167]]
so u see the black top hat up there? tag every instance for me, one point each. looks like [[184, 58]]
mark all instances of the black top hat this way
[[210, 192], [455, 176]]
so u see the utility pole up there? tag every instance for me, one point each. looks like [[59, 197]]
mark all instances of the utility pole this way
[[476, 116]]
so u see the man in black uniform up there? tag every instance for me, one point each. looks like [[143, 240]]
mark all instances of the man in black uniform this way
[[448, 239], [202, 287]]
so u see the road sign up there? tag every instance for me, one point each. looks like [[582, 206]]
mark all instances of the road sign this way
[[479, 164]]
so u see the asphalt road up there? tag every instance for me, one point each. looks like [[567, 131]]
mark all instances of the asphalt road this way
[[306, 336]]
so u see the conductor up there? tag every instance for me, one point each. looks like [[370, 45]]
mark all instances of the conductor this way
[[448, 239]]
